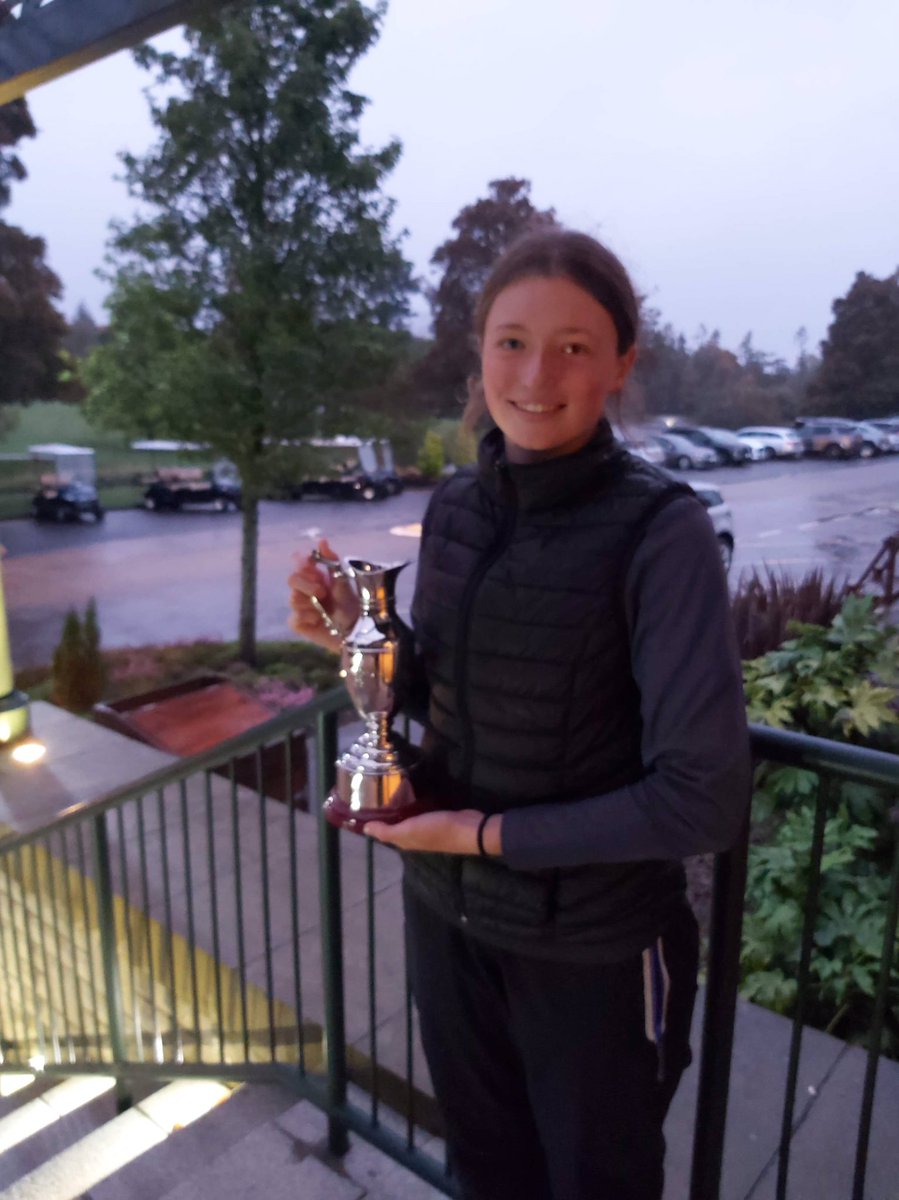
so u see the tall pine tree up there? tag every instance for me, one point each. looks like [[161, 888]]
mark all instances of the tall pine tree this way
[[481, 232], [859, 372]]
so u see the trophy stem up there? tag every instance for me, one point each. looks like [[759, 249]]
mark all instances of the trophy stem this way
[[379, 728]]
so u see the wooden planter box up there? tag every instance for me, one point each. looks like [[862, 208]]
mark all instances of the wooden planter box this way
[[200, 713]]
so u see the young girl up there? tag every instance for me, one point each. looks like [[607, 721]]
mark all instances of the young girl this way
[[585, 731]]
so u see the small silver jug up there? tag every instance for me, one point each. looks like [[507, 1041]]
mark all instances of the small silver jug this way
[[370, 773]]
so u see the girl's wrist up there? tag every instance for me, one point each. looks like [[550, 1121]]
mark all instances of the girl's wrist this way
[[489, 840]]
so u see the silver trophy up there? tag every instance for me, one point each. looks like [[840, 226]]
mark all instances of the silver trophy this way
[[370, 773]]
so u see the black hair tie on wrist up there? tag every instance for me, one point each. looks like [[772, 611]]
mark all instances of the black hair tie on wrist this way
[[481, 827]]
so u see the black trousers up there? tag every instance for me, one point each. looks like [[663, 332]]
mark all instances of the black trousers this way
[[554, 1078]]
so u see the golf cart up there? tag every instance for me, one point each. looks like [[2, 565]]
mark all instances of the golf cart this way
[[67, 491]]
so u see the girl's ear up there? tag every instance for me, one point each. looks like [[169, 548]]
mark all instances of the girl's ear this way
[[625, 366]]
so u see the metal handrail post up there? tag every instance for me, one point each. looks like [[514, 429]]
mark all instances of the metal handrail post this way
[[722, 985], [332, 938], [880, 1009], [106, 916]]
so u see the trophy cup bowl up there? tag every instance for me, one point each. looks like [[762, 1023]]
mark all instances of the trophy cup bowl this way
[[372, 773]]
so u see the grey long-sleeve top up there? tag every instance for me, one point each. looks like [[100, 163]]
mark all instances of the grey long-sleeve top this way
[[695, 749]]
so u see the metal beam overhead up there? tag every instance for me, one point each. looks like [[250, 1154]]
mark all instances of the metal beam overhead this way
[[43, 39]]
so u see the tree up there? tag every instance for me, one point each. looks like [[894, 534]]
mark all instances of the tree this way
[[84, 334], [67, 662], [15, 124], [482, 231], [79, 673], [31, 328], [263, 287], [858, 375], [661, 382]]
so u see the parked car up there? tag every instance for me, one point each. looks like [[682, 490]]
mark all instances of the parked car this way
[[60, 499], [721, 516], [779, 442], [641, 443], [759, 450], [833, 437], [727, 446], [650, 451], [683, 454], [891, 429], [175, 488], [874, 440]]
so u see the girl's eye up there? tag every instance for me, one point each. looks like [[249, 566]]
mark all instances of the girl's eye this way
[[576, 348], [510, 343]]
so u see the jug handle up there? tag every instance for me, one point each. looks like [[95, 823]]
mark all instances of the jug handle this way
[[326, 618], [334, 565], [336, 571]]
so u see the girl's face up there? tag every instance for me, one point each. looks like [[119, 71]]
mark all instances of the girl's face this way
[[549, 359]]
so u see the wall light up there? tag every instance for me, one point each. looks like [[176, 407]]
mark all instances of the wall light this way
[[16, 737]]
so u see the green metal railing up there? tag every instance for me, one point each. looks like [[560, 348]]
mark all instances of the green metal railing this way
[[190, 925], [833, 763]]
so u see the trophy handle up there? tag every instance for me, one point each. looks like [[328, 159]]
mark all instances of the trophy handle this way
[[334, 565], [326, 618], [336, 571]]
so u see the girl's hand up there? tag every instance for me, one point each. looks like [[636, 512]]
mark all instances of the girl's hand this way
[[440, 832], [337, 596]]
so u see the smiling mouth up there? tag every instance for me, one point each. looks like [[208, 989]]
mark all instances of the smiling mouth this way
[[536, 410]]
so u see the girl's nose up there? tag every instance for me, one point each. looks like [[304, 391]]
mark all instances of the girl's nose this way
[[537, 368]]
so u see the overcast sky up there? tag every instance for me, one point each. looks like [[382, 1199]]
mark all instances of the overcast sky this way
[[739, 155]]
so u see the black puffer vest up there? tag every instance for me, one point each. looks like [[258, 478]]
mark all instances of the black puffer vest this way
[[521, 628]]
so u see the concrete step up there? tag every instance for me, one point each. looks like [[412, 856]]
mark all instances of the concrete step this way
[[16, 1090], [189, 1140], [162, 1168], [46, 1127], [66, 1154], [286, 1159]]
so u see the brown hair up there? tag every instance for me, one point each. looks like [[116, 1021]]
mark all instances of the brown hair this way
[[558, 254]]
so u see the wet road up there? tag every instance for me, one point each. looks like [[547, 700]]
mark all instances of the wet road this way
[[169, 576]]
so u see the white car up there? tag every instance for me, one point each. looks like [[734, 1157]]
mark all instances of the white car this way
[[760, 449], [891, 429], [877, 440], [650, 452], [722, 518], [782, 443]]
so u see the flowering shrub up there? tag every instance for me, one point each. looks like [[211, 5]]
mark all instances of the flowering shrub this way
[[276, 694]]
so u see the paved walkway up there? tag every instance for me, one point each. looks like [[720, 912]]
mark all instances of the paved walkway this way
[[85, 760]]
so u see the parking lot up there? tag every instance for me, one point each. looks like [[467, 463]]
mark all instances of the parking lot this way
[[161, 577]]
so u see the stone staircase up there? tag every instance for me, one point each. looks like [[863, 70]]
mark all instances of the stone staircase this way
[[189, 1140]]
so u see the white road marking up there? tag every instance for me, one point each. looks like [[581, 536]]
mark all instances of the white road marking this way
[[407, 530], [769, 533]]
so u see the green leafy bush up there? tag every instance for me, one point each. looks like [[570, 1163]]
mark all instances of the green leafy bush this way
[[834, 682], [79, 674], [837, 682], [431, 457]]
